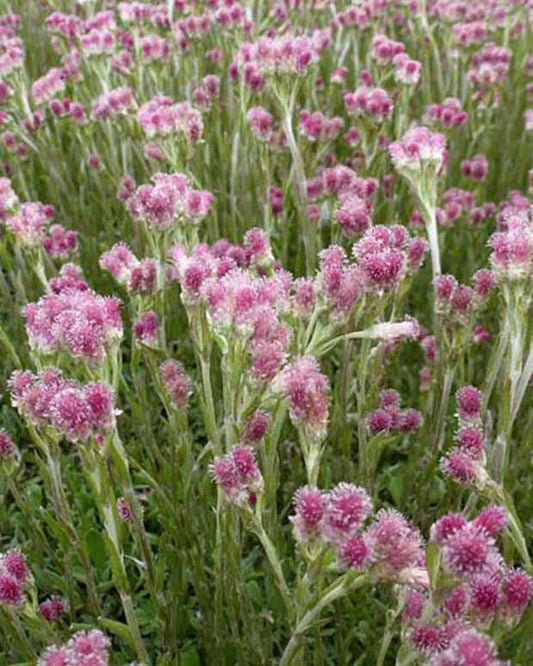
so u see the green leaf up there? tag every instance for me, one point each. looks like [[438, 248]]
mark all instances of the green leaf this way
[[433, 560], [118, 628]]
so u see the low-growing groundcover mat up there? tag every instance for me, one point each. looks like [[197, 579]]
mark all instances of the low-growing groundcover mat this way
[[265, 332]]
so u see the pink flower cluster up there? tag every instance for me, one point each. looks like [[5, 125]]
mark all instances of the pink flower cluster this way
[[386, 254], [76, 411], [316, 127], [7, 446], [8, 199], [512, 246], [168, 202], [262, 125], [97, 42], [70, 278], [238, 476], [11, 54], [85, 648], [390, 418], [146, 329], [489, 68], [15, 578], [481, 589], [79, 323], [138, 276], [207, 92], [476, 169], [49, 85], [161, 117], [447, 115], [371, 103], [419, 148], [118, 102], [280, 55], [391, 548], [459, 302], [351, 195], [60, 243], [29, 222], [384, 50], [176, 383], [407, 71], [307, 392], [465, 463], [52, 609]]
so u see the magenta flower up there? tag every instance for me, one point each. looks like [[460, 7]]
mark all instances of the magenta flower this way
[[310, 509], [238, 476], [176, 383], [469, 403], [347, 508], [52, 609], [79, 323], [417, 149], [168, 202], [307, 392]]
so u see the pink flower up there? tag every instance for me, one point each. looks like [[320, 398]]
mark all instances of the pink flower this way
[[88, 648], [428, 639], [52, 609], [417, 149], [256, 428], [354, 553], [54, 656], [468, 648], [124, 510], [118, 102], [237, 475], [517, 591], [161, 117], [170, 201], [397, 548], [79, 323], [176, 383], [310, 509], [60, 242], [469, 403], [469, 552], [307, 391], [7, 446], [28, 225], [492, 520], [446, 526], [347, 508], [146, 329]]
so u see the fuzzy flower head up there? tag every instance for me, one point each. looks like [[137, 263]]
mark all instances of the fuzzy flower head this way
[[309, 512], [76, 411], [9, 453], [347, 508], [81, 324], [52, 609], [397, 548], [161, 117], [170, 201], [469, 552], [15, 578], [238, 475], [419, 149], [307, 392], [29, 224], [177, 384], [88, 648], [468, 648]]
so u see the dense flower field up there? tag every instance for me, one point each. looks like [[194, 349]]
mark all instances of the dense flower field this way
[[265, 329]]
